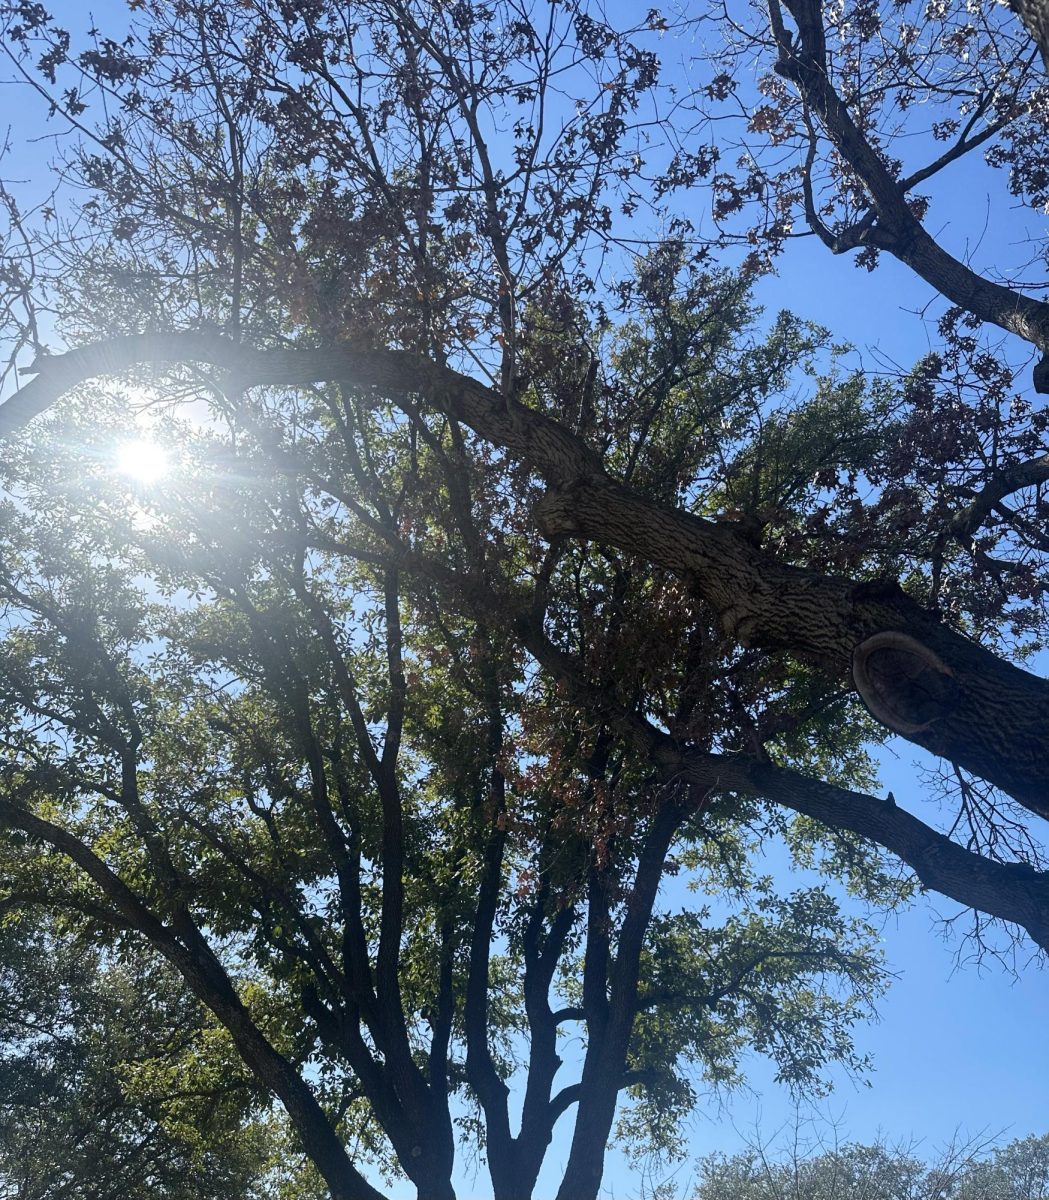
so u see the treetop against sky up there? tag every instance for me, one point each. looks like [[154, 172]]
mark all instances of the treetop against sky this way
[[459, 559]]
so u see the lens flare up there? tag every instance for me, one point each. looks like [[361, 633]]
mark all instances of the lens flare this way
[[142, 460]]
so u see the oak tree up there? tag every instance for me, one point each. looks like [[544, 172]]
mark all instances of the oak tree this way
[[504, 566]]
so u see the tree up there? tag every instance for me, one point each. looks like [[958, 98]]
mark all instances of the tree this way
[[397, 866], [114, 1084], [1017, 1171], [503, 576], [839, 84], [964, 1171]]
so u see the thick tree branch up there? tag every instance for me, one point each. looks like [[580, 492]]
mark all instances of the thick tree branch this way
[[543, 1060], [997, 722], [605, 1061], [1012, 892], [1035, 16]]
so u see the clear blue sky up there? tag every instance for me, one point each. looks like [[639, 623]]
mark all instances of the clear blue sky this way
[[956, 1046]]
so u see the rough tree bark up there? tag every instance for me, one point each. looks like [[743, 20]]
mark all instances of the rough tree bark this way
[[1035, 16]]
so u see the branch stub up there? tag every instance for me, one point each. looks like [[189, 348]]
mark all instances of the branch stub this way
[[903, 683]]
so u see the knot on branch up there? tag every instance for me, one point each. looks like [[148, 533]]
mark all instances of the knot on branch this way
[[790, 69], [902, 682], [556, 512]]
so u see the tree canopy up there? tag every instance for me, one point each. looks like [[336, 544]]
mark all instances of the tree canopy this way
[[966, 1170], [508, 563], [114, 1083]]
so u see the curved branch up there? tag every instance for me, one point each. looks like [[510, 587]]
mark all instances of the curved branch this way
[[1012, 892], [1004, 483], [803, 61], [999, 726], [570, 1094], [187, 950]]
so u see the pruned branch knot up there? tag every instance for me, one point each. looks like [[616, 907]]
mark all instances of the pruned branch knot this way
[[903, 683]]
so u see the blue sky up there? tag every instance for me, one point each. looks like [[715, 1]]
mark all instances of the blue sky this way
[[958, 1046]]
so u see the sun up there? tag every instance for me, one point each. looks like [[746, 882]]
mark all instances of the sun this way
[[143, 460]]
